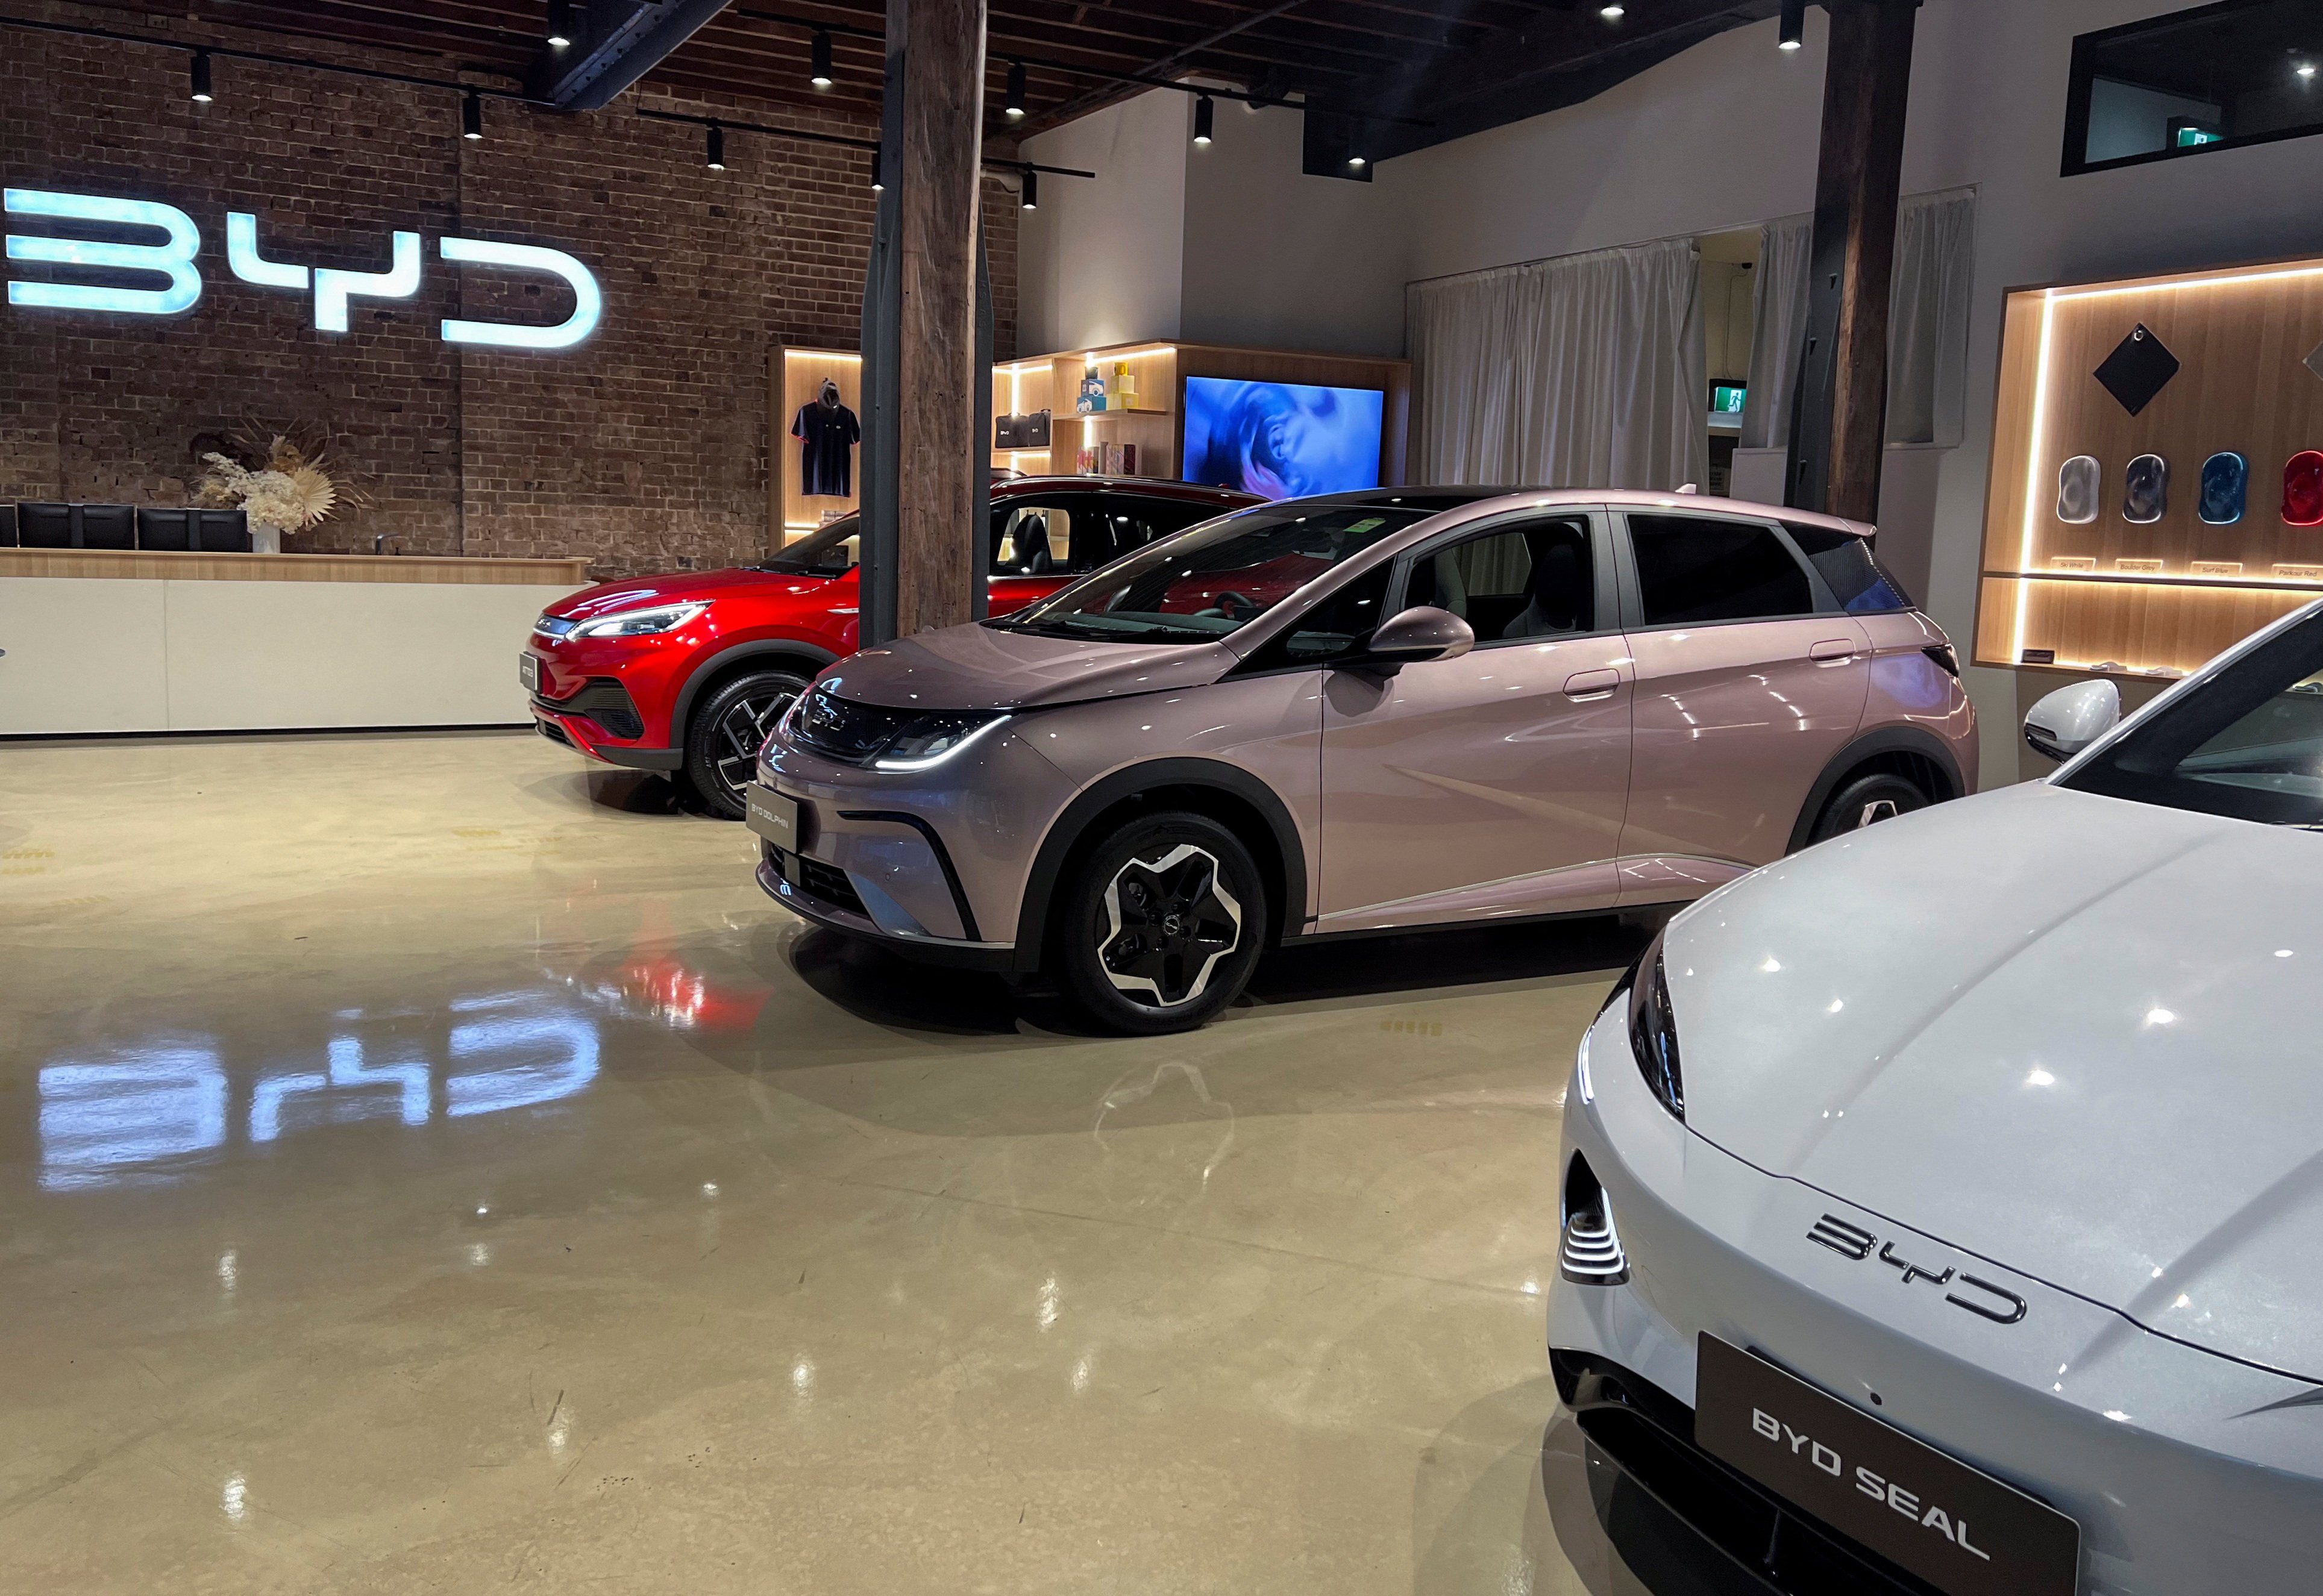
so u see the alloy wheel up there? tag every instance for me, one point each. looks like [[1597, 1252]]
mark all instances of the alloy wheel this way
[[1169, 920], [742, 731]]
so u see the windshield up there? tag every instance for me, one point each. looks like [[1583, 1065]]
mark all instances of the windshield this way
[[2247, 742], [832, 552], [1211, 581]]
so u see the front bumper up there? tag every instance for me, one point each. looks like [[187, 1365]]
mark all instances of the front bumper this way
[[2183, 1474]]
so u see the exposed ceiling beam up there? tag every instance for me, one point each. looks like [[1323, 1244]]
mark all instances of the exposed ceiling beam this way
[[620, 41]]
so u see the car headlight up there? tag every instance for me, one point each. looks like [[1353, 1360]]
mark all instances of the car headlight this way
[[1653, 1030], [930, 739], [640, 623]]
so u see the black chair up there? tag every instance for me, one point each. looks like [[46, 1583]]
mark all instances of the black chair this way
[[194, 531], [45, 526], [106, 525], [222, 531], [168, 530]]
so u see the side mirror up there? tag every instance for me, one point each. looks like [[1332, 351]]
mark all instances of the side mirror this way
[[2072, 718], [1420, 634]]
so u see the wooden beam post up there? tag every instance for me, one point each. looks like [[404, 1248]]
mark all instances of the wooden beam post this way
[[1839, 424], [939, 164]]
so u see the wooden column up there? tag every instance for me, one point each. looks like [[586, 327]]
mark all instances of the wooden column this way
[[939, 457], [1839, 424]]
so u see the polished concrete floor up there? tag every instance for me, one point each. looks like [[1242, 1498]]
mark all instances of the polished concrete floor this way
[[425, 1166]]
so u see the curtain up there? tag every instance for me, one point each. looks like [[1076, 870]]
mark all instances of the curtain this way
[[1584, 372], [1927, 322], [1779, 330]]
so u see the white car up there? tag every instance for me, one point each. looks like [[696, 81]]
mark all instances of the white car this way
[[1943, 1205]]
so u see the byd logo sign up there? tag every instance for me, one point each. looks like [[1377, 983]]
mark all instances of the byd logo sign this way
[[175, 259]]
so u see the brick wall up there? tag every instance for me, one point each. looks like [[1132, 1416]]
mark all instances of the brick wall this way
[[645, 447]]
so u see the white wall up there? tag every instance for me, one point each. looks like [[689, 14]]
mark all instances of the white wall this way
[[1101, 262]]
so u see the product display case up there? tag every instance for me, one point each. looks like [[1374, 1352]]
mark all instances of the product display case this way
[[2149, 500], [794, 378]]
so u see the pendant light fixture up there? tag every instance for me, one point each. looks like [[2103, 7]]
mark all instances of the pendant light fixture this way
[[1203, 113], [1356, 158], [878, 176], [472, 116], [1013, 107], [1032, 189], [560, 24], [200, 89], [716, 160], [820, 74], [1794, 28]]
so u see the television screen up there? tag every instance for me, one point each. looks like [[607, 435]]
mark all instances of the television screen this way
[[1282, 440]]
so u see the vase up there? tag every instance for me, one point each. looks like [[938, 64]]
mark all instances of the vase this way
[[265, 538]]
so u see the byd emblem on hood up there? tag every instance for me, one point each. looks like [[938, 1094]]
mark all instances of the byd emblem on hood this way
[[1853, 1241]]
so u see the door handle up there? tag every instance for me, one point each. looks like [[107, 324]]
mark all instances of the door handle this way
[[1585, 686], [1833, 651]]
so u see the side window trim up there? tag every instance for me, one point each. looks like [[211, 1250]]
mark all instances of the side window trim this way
[[1633, 599], [1607, 595], [1826, 602]]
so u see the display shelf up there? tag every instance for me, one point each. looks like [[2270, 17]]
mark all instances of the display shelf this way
[[2069, 579]]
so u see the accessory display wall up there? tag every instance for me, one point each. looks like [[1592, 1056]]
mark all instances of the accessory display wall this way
[[2107, 391]]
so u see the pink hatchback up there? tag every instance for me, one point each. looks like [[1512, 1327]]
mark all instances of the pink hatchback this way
[[1373, 713]]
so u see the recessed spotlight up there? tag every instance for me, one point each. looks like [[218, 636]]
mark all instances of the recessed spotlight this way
[[1357, 162], [1611, 12]]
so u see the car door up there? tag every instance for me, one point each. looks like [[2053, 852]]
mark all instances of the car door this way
[[1494, 784], [1744, 692], [1041, 541]]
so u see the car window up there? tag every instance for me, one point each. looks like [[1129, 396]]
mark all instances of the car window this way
[[1696, 569], [1861, 584], [1212, 580], [2247, 742], [831, 552], [1337, 626], [1138, 522], [1532, 580]]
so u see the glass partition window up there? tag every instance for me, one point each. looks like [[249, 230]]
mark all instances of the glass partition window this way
[[2238, 73]]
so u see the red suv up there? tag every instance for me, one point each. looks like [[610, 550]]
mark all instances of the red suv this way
[[686, 674]]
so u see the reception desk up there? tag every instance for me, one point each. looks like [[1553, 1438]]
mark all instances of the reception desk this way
[[98, 640]]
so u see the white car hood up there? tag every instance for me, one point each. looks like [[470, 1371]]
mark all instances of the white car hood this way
[[2079, 1036]]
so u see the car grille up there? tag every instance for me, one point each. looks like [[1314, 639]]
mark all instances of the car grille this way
[[1646, 1471], [818, 879], [602, 699], [841, 730]]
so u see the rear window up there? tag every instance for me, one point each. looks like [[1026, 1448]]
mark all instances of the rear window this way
[[1698, 569], [1859, 582]]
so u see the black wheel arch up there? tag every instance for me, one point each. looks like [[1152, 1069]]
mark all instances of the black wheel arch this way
[[727, 662], [1919, 756], [1224, 793]]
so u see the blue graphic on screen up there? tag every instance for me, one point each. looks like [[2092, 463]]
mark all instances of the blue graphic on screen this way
[[1282, 440]]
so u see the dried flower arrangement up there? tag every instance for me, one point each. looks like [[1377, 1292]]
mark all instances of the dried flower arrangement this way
[[294, 486]]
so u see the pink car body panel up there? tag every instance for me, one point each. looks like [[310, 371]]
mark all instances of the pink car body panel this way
[[1568, 774]]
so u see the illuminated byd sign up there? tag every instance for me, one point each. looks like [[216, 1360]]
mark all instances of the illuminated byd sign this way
[[175, 259]]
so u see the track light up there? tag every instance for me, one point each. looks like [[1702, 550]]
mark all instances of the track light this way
[[1611, 11], [878, 176], [1032, 189], [1794, 25], [1203, 112], [717, 151], [1356, 158], [472, 116], [560, 24], [821, 75], [1013, 107], [201, 75]]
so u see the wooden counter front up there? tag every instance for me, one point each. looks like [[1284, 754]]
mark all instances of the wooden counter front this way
[[157, 566]]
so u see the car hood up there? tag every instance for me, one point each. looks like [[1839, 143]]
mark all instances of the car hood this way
[[2073, 1034], [681, 586], [980, 667]]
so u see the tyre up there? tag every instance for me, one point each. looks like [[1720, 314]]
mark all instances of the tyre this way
[[1866, 801], [728, 729], [1158, 926]]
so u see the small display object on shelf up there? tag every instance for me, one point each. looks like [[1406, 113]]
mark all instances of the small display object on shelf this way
[[2079, 481], [1282, 440], [2145, 492], [2302, 490], [2226, 492]]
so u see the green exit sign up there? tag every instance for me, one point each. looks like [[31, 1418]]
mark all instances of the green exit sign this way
[[1726, 398], [2186, 133]]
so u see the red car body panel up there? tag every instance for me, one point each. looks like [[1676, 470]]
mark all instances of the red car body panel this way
[[810, 621]]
